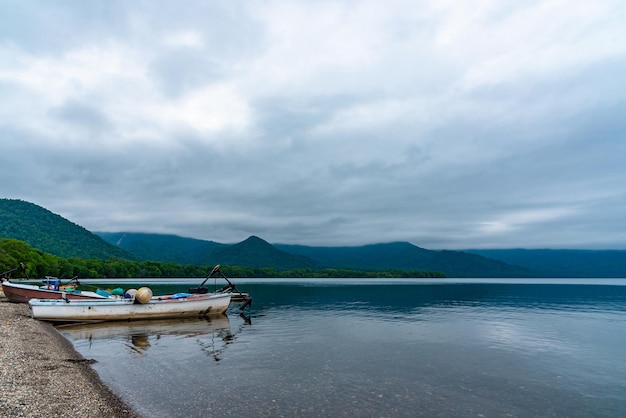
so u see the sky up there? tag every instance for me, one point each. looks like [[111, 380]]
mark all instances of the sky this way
[[447, 124]]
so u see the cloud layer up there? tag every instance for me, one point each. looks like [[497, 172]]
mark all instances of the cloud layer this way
[[490, 125]]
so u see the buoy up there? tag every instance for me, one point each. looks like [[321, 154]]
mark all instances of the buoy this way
[[130, 294], [144, 294]]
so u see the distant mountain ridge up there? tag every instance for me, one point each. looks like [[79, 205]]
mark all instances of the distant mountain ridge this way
[[160, 247], [255, 252], [563, 263], [56, 235], [252, 252], [406, 256]]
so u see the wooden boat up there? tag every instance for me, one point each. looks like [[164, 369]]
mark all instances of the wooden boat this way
[[22, 293], [99, 310], [52, 288]]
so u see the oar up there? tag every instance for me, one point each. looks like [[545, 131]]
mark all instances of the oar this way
[[7, 274], [23, 267]]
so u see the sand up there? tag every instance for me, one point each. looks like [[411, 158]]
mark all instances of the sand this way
[[41, 375]]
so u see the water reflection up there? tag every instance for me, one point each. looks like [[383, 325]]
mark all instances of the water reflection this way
[[413, 298], [410, 296], [325, 349], [140, 336]]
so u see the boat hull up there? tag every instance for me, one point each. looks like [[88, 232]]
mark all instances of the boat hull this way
[[22, 293], [128, 310]]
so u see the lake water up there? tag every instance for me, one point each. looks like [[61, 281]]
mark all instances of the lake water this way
[[377, 348]]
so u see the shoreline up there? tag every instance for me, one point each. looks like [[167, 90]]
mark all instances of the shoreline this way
[[41, 374]]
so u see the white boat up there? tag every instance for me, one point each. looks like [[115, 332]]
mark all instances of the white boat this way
[[99, 310]]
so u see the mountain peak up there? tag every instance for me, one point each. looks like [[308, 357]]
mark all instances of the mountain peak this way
[[256, 252], [254, 238]]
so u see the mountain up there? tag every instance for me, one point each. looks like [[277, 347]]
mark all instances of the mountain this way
[[563, 263], [52, 233], [406, 256], [162, 247], [397, 255], [253, 252]]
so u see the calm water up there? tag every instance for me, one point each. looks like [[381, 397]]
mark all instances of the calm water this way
[[371, 348]]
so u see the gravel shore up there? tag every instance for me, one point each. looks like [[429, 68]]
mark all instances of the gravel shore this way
[[41, 375]]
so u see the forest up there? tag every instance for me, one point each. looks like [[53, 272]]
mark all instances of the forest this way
[[39, 264]]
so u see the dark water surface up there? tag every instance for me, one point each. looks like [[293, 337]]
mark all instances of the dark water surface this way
[[377, 348]]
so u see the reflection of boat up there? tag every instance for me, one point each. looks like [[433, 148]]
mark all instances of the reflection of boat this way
[[156, 327], [212, 334], [97, 310]]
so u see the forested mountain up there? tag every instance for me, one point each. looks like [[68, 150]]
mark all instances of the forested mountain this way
[[163, 247], [255, 252], [252, 252], [398, 255], [52, 233], [37, 264], [563, 263], [406, 256]]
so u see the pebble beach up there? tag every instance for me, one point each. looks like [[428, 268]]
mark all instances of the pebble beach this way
[[41, 375]]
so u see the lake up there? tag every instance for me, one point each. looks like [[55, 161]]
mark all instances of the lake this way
[[376, 348]]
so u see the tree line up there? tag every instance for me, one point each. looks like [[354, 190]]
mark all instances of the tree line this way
[[39, 264]]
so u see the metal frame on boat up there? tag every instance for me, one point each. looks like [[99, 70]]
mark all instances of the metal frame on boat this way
[[237, 295]]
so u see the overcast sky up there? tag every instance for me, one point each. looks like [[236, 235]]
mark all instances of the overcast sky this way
[[448, 124]]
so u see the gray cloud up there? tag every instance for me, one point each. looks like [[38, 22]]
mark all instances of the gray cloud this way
[[332, 123]]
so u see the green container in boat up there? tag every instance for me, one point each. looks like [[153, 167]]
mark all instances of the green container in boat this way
[[118, 291]]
